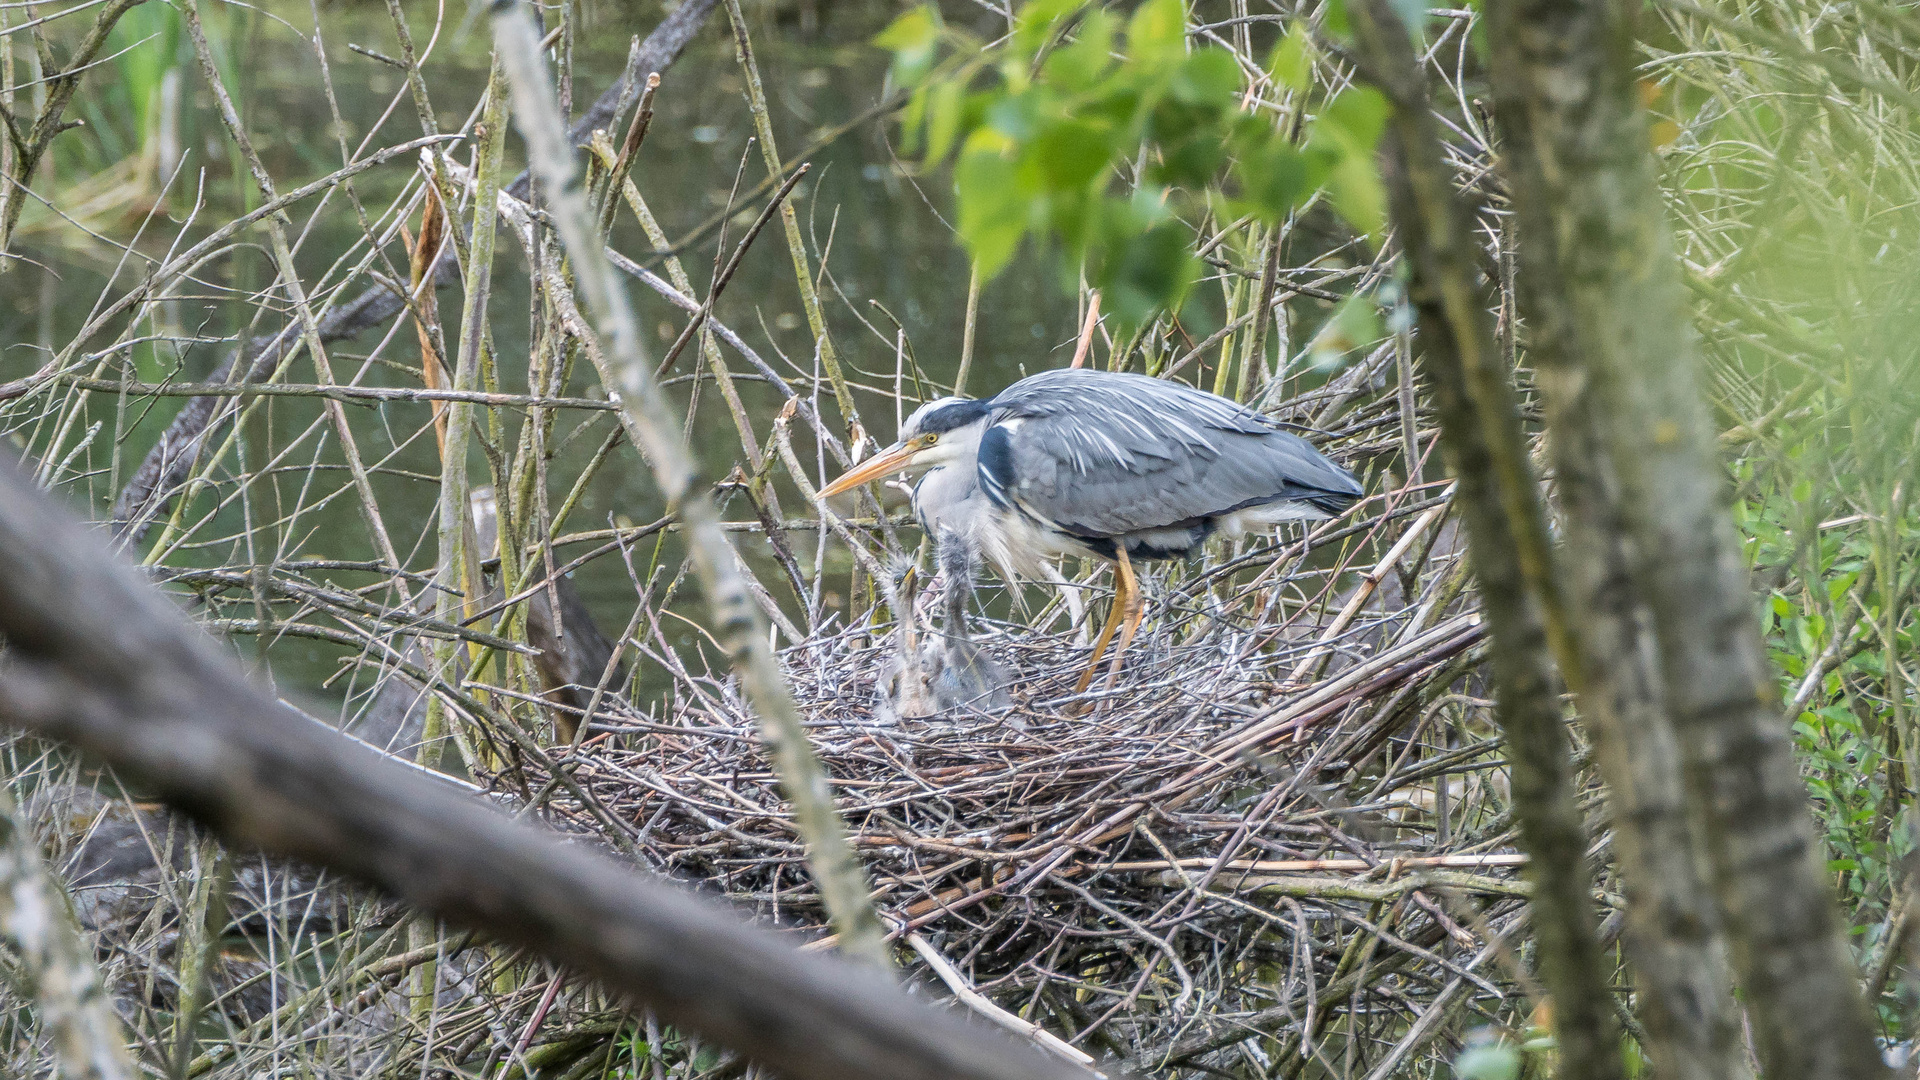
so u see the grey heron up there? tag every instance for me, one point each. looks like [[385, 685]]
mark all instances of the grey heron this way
[[1119, 466]]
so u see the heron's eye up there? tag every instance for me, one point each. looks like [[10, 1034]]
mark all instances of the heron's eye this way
[[929, 438]]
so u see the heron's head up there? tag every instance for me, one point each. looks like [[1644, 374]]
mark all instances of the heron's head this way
[[945, 431]]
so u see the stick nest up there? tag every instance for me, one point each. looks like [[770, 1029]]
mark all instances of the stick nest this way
[[1110, 863]]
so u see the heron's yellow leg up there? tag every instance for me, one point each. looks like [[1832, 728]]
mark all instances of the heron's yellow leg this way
[[1134, 608], [1122, 582]]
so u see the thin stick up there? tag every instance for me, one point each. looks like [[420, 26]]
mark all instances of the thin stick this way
[[966, 334], [1092, 320], [802, 271]]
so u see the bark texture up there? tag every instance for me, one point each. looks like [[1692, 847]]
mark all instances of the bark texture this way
[[99, 659], [55, 960], [1507, 545], [1619, 372], [1608, 655]]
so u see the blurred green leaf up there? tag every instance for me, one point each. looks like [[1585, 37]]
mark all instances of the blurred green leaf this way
[[912, 39], [1274, 178], [945, 104], [1071, 153], [1209, 78], [1077, 67], [1157, 33], [1291, 63], [1035, 22], [1357, 117], [1013, 116], [992, 211], [913, 119], [1354, 189], [1487, 1062], [1333, 19], [1348, 131], [1354, 324], [1147, 272]]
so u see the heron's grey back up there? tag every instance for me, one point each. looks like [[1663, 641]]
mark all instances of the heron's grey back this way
[[1103, 454]]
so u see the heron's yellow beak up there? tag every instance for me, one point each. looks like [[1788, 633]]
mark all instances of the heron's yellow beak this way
[[891, 460]]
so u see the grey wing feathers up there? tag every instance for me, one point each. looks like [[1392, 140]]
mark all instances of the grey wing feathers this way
[[1104, 454]]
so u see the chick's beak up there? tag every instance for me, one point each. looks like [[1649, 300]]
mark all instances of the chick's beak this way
[[891, 460]]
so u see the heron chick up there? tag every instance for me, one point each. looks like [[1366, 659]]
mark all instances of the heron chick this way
[[1112, 465], [934, 672], [965, 677]]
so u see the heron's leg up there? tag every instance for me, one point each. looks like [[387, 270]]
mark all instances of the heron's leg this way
[[1133, 609], [1122, 582]]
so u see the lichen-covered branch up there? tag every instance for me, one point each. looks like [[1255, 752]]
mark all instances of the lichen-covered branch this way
[[1499, 500], [1620, 377], [73, 1006], [651, 425]]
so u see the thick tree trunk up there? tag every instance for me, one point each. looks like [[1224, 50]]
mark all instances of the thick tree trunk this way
[[1614, 347], [1685, 997], [1507, 546]]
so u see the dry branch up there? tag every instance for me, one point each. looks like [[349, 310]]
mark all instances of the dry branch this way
[[36, 920], [99, 659]]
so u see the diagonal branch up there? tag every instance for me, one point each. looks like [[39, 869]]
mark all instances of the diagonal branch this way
[[99, 659]]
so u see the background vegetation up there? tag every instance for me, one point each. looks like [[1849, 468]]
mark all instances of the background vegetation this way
[[1190, 191]]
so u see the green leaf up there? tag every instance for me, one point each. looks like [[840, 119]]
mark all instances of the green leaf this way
[[1190, 159], [912, 39], [1291, 63], [1346, 134], [1354, 324], [1357, 117], [945, 105], [1209, 78], [1157, 33], [992, 211], [1275, 177], [1333, 19], [1013, 115], [1076, 217], [1148, 272], [1035, 23], [913, 119], [1069, 154], [1076, 68], [1355, 190]]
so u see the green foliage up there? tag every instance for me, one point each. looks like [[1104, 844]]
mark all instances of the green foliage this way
[[1850, 734], [1107, 135]]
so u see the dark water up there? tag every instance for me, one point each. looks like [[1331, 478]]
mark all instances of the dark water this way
[[891, 256]]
